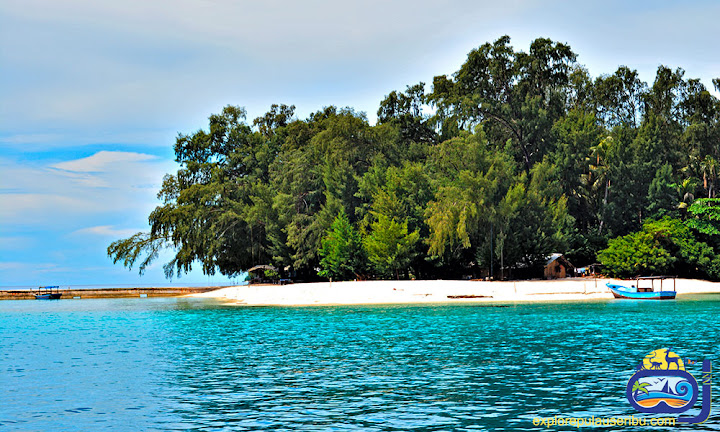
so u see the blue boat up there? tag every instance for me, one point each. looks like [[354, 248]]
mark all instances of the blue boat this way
[[636, 292], [46, 293]]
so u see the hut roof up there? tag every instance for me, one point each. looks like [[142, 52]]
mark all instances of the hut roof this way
[[558, 256], [261, 267]]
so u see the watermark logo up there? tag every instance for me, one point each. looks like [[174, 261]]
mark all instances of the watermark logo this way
[[661, 384]]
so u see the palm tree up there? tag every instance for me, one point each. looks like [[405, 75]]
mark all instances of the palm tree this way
[[686, 191], [709, 167], [638, 387]]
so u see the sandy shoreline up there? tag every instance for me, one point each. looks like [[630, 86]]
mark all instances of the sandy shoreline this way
[[433, 291]]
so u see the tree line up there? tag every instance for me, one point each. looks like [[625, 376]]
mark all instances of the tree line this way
[[486, 171]]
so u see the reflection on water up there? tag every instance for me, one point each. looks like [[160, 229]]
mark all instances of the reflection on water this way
[[190, 364]]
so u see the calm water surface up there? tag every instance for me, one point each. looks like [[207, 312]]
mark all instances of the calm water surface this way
[[191, 364]]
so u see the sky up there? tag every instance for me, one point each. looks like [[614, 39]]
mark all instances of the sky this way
[[94, 93]]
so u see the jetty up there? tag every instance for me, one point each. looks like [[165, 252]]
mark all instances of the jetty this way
[[85, 293]]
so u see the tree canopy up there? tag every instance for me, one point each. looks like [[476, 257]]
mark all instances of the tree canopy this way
[[516, 155]]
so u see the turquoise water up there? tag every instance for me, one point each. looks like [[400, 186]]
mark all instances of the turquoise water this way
[[192, 365]]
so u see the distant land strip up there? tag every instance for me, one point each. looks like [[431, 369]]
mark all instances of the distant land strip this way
[[109, 292]]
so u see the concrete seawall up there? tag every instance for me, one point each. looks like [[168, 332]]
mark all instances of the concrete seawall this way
[[108, 293]]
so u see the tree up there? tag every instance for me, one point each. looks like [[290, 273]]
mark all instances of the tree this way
[[704, 216], [518, 154], [538, 223], [685, 191], [212, 208], [638, 387], [576, 135], [405, 111], [389, 246], [516, 96], [709, 167], [635, 254], [341, 252], [469, 180], [401, 193], [663, 246], [508, 211], [132, 248], [618, 98], [662, 195], [315, 174], [477, 190]]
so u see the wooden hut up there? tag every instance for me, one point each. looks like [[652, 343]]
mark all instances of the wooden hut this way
[[557, 266]]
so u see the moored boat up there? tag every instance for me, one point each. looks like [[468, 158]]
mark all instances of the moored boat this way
[[46, 293], [636, 292]]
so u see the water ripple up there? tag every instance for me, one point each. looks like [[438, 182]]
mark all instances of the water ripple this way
[[192, 365]]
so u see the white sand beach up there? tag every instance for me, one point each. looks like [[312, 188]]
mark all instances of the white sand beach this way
[[435, 291]]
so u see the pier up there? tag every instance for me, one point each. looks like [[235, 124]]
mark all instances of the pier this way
[[85, 293]]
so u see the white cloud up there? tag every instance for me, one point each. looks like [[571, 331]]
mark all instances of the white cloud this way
[[262, 29], [108, 231], [76, 192], [38, 205], [83, 72], [114, 65], [102, 161], [37, 143], [100, 68]]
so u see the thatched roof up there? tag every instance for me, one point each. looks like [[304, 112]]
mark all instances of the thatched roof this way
[[261, 267]]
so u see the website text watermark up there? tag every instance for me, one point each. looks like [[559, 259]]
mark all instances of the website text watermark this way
[[604, 421]]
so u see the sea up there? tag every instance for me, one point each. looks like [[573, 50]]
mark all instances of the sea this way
[[184, 364]]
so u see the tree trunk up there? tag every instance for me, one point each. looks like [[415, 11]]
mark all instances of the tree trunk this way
[[491, 250], [502, 261], [602, 220]]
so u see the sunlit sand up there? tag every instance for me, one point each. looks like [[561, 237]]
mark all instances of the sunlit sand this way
[[433, 291]]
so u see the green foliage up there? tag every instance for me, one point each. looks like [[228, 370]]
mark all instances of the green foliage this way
[[271, 274], [636, 254], [389, 246], [705, 216], [469, 179], [341, 251], [576, 134], [129, 250], [638, 387], [521, 154], [482, 201], [540, 224], [404, 110], [661, 247], [516, 96], [206, 216], [662, 195]]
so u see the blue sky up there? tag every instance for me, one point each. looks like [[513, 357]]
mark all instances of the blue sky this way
[[93, 93]]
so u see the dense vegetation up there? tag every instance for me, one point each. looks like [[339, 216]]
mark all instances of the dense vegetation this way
[[513, 157]]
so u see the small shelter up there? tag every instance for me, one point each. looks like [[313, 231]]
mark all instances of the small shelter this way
[[557, 266], [257, 273]]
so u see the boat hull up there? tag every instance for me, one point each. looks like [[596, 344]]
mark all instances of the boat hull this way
[[53, 296], [623, 292]]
